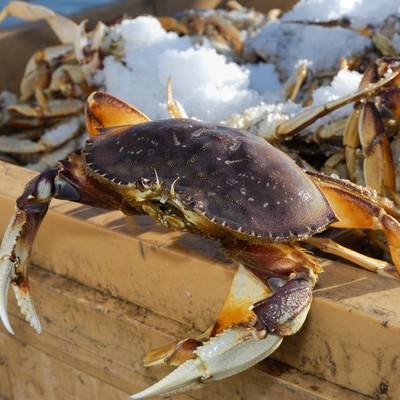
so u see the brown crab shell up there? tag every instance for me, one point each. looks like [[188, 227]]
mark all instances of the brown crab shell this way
[[232, 178]]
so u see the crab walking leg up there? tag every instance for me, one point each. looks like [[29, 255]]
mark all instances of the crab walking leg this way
[[17, 245], [261, 308], [175, 109], [91, 62], [361, 208], [287, 129], [378, 161], [103, 110], [64, 28], [371, 264]]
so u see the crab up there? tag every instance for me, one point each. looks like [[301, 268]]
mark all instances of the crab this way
[[219, 183]]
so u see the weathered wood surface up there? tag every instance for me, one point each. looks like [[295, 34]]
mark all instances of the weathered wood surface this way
[[92, 345]]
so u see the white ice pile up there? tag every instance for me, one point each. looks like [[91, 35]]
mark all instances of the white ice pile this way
[[212, 88], [264, 118], [282, 44], [372, 11], [208, 86], [284, 41]]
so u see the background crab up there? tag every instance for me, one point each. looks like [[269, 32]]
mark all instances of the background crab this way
[[163, 169]]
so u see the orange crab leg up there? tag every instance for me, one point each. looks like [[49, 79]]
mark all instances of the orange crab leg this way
[[287, 129], [351, 141], [63, 27], [361, 208], [103, 110], [175, 109], [371, 264], [378, 162]]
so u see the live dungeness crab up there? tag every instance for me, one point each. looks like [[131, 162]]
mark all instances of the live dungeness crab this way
[[220, 183]]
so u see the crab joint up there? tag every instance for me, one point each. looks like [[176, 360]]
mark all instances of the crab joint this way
[[65, 191], [283, 312]]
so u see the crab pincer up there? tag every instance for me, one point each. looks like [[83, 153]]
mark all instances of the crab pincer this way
[[17, 244]]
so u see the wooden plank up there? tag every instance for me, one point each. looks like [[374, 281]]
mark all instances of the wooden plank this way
[[92, 345]]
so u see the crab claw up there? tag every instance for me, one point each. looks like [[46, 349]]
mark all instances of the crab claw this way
[[17, 245], [14, 256], [257, 332], [231, 351]]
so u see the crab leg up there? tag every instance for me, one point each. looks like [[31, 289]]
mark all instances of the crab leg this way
[[351, 141], [55, 108], [175, 109], [34, 71], [17, 245], [287, 129], [90, 59], [365, 126], [103, 110], [64, 28], [261, 308], [378, 162], [362, 208], [371, 264]]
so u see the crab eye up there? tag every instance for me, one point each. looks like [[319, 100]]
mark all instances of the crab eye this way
[[144, 183], [188, 200]]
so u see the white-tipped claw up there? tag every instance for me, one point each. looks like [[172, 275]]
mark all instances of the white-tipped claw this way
[[5, 279], [230, 352], [14, 258], [185, 376]]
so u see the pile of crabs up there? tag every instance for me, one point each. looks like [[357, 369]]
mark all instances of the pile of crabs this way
[[268, 197]]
